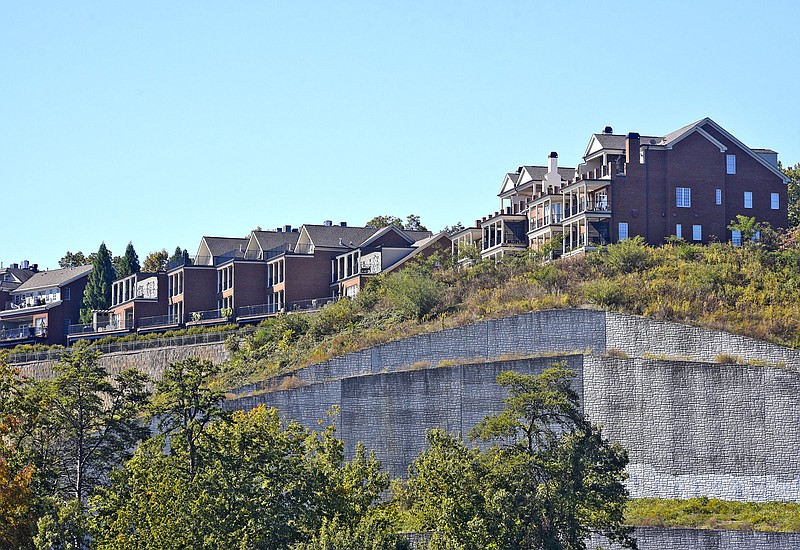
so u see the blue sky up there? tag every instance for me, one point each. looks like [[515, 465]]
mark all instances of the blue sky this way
[[161, 122]]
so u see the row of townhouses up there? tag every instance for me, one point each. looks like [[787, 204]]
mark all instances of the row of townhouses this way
[[229, 280], [689, 184]]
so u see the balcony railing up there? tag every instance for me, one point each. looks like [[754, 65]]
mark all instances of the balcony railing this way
[[209, 315], [256, 311], [510, 240], [314, 303], [159, 320], [23, 332], [581, 206], [539, 223], [288, 249]]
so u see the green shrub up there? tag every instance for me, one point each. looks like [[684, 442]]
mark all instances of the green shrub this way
[[413, 292], [628, 256]]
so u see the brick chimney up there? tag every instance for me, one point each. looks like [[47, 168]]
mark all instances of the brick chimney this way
[[632, 148]]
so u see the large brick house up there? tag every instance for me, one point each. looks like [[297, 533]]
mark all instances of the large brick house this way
[[690, 183]]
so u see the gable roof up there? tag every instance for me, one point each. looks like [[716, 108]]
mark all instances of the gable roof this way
[[219, 246], [420, 247], [269, 240], [535, 173], [674, 137], [54, 278], [336, 236]]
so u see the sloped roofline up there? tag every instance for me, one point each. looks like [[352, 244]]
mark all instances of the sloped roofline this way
[[678, 135]]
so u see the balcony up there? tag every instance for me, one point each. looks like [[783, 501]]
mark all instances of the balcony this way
[[23, 333], [507, 240], [262, 310], [308, 305], [601, 173], [209, 316], [583, 206], [159, 321], [91, 328], [539, 223]]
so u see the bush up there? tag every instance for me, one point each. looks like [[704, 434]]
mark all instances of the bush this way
[[413, 292], [628, 256]]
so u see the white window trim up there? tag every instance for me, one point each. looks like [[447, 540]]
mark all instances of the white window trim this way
[[775, 201], [718, 196], [730, 164], [748, 199], [736, 237], [683, 197], [678, 230], [620, 231], [697, 232]]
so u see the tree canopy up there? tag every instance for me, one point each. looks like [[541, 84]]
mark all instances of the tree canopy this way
[[412, 222], [97, 294], [793, 193], [550, 481], [155, 261], [127, 264]]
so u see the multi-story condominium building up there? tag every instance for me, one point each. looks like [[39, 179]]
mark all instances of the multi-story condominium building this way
[[10, 279], [386, 250], [690, 183], [42, 308]]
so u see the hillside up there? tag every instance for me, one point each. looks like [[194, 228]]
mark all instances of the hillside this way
[[750, 290]]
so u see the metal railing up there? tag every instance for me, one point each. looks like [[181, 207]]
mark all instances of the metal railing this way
[[582, 206], [288, 249], [208, 315], [134, 345], [256, 311], [22, 332], [159, 320], [314, 303], [539, 223]]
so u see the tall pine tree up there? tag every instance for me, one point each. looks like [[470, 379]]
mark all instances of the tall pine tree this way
[[128, 264], [97, 294]]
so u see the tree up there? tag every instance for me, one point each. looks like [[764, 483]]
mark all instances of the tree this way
[[550, 481], [127, 264], [412, 222], [95, 419], [747, 227], [97, 295], [259, 484], [16, 474], [793, 193], [184, 405], [155, 261], [72, 260], [385, 221], [413, 291]]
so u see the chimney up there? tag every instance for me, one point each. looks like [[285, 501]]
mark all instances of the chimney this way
[[25, 264], [552, 177], [14, 266], [342, 224], [478, 223], [328, 223], [608, 130], [287, 228], [632, 148], [279, 230]]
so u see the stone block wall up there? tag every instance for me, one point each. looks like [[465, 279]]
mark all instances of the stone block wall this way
[[652, 538]]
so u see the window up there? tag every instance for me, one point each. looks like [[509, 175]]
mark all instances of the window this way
[[736, 237], [748, 199], [66, 294], [775, 201], [697, 232], [683, 197], [718, 196], [730, 164], [679, 230], [623, 231]]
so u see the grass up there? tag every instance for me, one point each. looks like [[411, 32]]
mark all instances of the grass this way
[[711, 513]]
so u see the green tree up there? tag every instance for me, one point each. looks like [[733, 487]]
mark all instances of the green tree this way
[[73, 260], [412, 222], [184, 405], [747, 227], [17, 516], [259, 484], [127, 264], [413, 291], [793, 193], [155, 261], [97, 295], [551, 481]]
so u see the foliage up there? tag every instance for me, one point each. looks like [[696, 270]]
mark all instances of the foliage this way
[[89, 421], [552, 481], [16, 474], [179, 253], [746, 226], [711, 513], [184, 406], [627, 256], [155, 261], [412, 223], [127, 264], [73, 260], [259, 485], [793, 194], [97, 295], [413, 292]]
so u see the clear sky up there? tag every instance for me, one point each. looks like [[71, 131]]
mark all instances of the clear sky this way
[[161, 122]]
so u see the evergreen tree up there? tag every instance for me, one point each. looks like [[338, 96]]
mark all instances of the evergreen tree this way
[[97, 295], [127, 264]]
